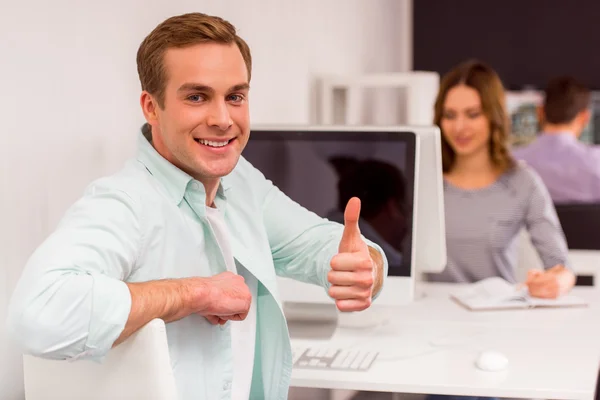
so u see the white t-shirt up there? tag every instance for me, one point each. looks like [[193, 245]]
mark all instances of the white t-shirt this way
[[243, 333]]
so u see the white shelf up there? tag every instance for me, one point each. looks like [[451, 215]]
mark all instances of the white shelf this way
[[343, 101]]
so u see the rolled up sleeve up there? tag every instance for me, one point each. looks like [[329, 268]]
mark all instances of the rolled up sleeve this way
[[71, 300]]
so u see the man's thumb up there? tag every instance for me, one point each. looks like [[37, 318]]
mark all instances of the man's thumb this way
[[351, 239]]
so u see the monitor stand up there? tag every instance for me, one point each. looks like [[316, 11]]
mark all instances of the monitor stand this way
[[419, 287], [370, 318], [311, 320], [307, 319], [397, 292], [307, 304]]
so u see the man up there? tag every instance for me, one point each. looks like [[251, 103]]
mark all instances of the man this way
[[191, 233], [569, 168]]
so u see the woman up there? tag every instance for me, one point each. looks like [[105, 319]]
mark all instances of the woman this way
[[488, 196]]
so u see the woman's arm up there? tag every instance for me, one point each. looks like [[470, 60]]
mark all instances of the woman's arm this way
[[549, 240]]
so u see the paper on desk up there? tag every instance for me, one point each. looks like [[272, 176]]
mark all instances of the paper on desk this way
[[497, 294]]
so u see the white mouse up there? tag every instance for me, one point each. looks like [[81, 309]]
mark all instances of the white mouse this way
[[491, 361]]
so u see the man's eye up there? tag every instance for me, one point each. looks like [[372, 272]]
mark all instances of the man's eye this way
[[195, 98], [236, 98]]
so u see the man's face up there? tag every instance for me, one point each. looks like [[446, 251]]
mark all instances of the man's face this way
[[204, 124]]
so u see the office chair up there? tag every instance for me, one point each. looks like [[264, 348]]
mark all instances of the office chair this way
[[597, 394], [137, 369], [581, 225]]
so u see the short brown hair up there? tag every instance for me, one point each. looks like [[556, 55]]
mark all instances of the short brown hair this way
[[182, 31], [565, 98], [479, 76]]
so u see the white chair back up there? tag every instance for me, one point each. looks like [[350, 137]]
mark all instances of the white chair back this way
[[137, 369]]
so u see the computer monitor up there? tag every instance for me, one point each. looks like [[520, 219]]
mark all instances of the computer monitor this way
[[430, 215], [319, 167]]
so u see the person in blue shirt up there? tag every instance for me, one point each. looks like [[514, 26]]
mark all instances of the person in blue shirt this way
[[191, 233]]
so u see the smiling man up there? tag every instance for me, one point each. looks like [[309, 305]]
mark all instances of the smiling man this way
[[191, 233]]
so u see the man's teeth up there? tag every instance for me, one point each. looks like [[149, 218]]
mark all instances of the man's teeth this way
[[213, 144]]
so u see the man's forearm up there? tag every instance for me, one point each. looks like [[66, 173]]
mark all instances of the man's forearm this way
[[378, 275], [164, 299]]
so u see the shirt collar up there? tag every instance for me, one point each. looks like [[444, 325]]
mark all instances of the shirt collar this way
[[173, 179], [565, 136]]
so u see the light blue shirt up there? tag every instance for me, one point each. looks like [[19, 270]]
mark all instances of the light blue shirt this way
[[148, 222]]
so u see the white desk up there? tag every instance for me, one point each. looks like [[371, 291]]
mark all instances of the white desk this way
[[430, 347]]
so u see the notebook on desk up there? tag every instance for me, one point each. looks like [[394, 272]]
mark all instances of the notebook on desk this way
[[498, 294]]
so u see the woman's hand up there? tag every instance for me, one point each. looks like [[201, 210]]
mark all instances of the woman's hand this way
[[551, 283]]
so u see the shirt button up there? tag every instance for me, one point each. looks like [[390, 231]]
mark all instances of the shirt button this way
[[196, 186], [226, 385]]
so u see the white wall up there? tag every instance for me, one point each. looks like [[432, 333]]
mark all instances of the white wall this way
[[69, 95]]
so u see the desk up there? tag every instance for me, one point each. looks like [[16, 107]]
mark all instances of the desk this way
[[430, 346]]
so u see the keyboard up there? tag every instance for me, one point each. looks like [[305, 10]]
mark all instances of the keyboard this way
[[332, 358]]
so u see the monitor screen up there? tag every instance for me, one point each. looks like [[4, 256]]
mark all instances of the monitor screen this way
[[322, 170]]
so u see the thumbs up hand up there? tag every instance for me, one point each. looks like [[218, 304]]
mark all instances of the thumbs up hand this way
[[353, 270]]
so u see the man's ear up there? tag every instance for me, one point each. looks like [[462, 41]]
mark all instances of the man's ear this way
[[584, 117], [149, 107], [541, 115]]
